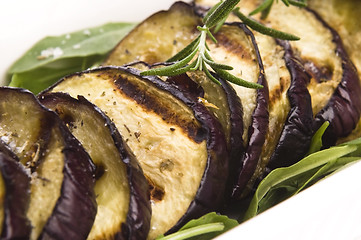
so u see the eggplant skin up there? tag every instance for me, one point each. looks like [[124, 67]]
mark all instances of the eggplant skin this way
[[16, 200], [75, 210], [33, 134], [192, 119], [297, 132], [138, 217], [172, 36], [210, 195], [256, 131], [343, 110], [231, 101], [218, 156]]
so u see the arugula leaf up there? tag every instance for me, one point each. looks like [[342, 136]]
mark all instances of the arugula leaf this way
[[54, 57], [206, 227], [283, 183], [316, 143], [40, 78]]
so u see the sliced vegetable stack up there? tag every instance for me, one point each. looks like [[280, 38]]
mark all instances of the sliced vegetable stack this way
[[272, 121], [110, 153], [178, 143], [61, 187], [121, 188]]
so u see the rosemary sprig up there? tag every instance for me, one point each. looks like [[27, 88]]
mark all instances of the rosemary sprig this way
[[263, 29], [266, 6], [197, 56], [182, 61]]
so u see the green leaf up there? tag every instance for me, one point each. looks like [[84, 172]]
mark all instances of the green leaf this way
[[194, 232], [206, 227], [282, 183], [40, 78], [316, 142], [92, 41]]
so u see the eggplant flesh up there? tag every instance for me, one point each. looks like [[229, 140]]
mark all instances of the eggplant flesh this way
[[297, 132], [341, 19], [234, 45], [15, 195], [335, 85], [61, 190], [114, 187], [27, 139], [161, 126], [172, 36], [155, 47]]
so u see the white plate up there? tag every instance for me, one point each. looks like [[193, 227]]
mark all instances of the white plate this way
[[330, 209]]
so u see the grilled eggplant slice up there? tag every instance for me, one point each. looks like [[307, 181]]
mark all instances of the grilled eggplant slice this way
[[297, 131], [62, 202], [27, 139], [236, 47], [15, 196], [334, 86], [343, 110], [341, 19], [157, 47], [221, 100], [122, 191], [179, 144]]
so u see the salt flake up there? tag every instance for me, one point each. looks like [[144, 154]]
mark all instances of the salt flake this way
[[86, 32], [76, 46], [51, 52]]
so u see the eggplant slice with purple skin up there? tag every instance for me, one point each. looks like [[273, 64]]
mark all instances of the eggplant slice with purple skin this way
[[221, 100], [284, 115], [180, 146], [124, 209], [225, 100], [297, 132], [350, 32], [15, 196], [62, 201], [335, 86]]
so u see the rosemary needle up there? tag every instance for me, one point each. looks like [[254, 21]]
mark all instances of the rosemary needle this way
[[263, 29]]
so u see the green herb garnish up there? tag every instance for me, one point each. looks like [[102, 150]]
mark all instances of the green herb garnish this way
[[199, 52], [263, 29], [283, 183], [54, 57], [266, 6], [206, 227], [197, 56]]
